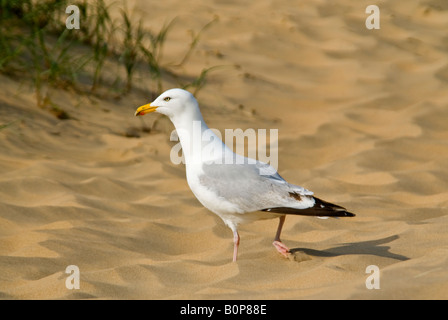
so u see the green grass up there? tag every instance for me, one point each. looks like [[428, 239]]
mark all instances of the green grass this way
[[153, 54], [133, 36], [4, 126], [201, 80], [98, 31], [194, 41], [34, 41]]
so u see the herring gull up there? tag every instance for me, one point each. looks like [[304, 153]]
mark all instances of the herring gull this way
[[236, 188]]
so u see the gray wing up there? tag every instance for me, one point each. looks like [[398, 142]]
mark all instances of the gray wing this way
[[253, 186]]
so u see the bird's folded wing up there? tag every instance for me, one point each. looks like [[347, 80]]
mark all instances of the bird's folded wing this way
[[253, 186]]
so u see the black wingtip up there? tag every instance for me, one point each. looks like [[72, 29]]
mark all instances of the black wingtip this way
[[344, 214], [337, 214], [321, 208], [334, 209]]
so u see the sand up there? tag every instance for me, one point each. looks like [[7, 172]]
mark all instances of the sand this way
[[362, 121]]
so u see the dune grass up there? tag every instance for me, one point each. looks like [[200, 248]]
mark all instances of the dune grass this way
[[6, 125], [35, 42]]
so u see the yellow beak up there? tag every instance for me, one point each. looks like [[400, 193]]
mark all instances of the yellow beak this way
[[147, 108]]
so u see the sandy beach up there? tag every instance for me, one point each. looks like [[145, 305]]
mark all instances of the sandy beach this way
[[362, 122]]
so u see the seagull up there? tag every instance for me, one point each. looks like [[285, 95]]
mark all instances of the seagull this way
[[238, 189]]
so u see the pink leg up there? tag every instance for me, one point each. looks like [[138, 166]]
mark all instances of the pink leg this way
[[236, 242], [284, 250]]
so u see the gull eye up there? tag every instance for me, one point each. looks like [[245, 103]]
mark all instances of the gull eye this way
[[167, 99]]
